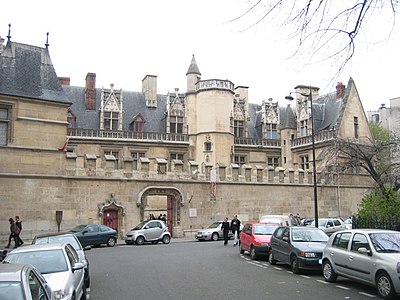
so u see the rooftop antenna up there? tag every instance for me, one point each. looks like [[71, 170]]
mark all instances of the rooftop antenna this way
[[9, 33], [47, 40]]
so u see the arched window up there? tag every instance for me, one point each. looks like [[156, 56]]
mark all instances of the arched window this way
[[137, 124], [71, 119]]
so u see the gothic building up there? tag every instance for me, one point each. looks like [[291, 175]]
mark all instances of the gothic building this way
[[198, 154]]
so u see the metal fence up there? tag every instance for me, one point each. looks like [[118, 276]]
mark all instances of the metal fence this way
[[391, 224]]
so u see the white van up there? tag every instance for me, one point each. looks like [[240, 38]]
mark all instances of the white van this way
[[283, 220]]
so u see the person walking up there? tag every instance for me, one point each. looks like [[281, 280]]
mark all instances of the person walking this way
[[235, 228], [18, 223], [225, 230], [13, 228]]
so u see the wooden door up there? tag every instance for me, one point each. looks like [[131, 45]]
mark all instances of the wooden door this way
[[110, 219], [170, 213]]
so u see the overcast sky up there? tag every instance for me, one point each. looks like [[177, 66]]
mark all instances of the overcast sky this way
[[122, 41]]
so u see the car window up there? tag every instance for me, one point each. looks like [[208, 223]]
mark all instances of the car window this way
[[72, 256], [359, 241], [247, 229], [341, 240], [104, 228], [11, 290], [264, 229], [329, 223], [36, 289], [154, 224], [92, 228], [308, 235], [279, 232], [215, 225], [388, 242], [337, 222]]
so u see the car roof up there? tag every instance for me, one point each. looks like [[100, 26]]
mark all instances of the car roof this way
[[369, 230], [54, 234], [39, 247], [12, 272]]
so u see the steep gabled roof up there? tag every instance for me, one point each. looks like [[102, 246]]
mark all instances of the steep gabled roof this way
[[27, 71]]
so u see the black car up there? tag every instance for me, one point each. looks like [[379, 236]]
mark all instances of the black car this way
[[95, 235], [300, 247]]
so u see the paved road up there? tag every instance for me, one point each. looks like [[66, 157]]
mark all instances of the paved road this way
[[204, 270]]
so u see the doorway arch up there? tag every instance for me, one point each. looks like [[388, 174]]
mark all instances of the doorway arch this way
[[175, 201]]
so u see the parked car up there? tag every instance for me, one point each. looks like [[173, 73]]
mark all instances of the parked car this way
[[349, 223], [148, 231], [58, 263], [369, 256], [256, 239], [300, 247], [23, 282], [330, 225], [95, 235], [306, 221], [60, 237], [282, 220]]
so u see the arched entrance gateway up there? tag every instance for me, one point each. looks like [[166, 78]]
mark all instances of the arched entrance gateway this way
[[158, 200]]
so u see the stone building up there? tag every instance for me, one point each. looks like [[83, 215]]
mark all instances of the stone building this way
[[106, 155]]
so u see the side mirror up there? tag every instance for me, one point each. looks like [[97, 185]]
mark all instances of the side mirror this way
[[365, 251], [85, 231], [77, 266]]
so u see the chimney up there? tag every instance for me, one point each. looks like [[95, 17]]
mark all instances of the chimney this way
[[90, 91], [340, 90], [64, 80]]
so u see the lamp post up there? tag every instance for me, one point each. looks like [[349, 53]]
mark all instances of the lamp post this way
[[313, 153]]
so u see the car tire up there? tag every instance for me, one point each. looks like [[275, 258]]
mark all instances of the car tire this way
[[328, 272], [294, 264], [139, 240], [166, 239], [241, 250], [271, 258], [215, 236], [384, 285], [111, 242], [253, 254]]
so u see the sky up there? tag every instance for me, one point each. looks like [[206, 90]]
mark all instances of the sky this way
[[123, 41]]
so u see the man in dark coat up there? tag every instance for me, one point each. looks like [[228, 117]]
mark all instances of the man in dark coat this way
[[235, 228], [13, 229], [18, 223], [225, 230]]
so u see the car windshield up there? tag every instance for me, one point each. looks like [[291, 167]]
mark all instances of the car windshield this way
[[264, 229], [140, 225], [11, 290], [214, 225], [386, 241], [46, 261], [59, 239], [78, 228], [304, 235]]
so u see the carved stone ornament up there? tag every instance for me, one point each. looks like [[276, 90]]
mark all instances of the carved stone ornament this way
[[111, 204]]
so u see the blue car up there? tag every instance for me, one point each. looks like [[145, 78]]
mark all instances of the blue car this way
[[95, 235]]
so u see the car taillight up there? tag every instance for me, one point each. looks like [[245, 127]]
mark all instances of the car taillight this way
[[166, 229]]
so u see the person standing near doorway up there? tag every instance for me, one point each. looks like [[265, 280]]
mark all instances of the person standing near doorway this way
[[225, 230], [18, 223], [235, 228]]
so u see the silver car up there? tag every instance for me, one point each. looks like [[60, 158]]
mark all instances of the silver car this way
[[23, 282], [330, 225], [58, 263], [212, 232], [148, 231], [370, 256], [60, 237]]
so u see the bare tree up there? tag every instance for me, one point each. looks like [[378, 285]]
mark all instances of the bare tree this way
[[326, 29]]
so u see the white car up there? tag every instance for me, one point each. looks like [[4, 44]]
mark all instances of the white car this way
[[213, 232], [369, 256], [58, 263], [329, 225]]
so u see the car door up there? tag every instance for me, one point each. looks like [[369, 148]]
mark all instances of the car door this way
[[279, 243], [359, 264], [152, 230], [245, 236], [339, 252], [77, 275], [92, 235]]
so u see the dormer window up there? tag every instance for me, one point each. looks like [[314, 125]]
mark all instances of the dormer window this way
[[137, 124], [71, 119], [111, 120], [271, 131], [176, 124], [238, 127]]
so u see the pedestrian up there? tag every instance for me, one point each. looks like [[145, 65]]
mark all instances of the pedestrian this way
[[18, 223], [160, 217], [164, 218], [13, 228], [225, 230], [235, 228]]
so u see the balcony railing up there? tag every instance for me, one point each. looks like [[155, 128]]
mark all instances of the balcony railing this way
[[257, 142], [215, 84], [127, 135], [321, 136]]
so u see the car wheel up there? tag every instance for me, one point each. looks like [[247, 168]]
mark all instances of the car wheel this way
[[215, 236], [327, 271], [271, 258], [384, 285], [111, 242], [241, 250], [253, 254], [139, 240], [294, 265], [166, 239]]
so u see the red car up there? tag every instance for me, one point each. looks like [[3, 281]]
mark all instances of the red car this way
[[256, 238]]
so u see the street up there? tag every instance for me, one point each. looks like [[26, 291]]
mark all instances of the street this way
[[204, 270]]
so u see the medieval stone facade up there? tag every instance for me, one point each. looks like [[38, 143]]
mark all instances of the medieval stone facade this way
[[106, 155]]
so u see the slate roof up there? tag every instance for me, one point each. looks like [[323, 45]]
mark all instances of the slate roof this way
[[27, 71]]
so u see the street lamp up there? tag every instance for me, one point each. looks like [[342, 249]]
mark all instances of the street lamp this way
[[313, 153]]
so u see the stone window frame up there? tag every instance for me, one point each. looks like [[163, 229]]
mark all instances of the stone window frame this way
[[116, 154], [5, 124], [304, 162]]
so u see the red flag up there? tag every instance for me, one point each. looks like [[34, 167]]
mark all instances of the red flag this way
[[64, 148]]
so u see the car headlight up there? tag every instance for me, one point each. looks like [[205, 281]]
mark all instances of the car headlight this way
[[308, 254], [60, 294]]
